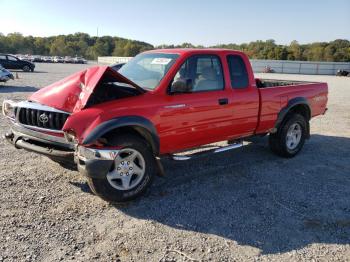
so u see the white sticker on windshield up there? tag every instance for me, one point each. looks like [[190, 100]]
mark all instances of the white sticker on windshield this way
[[161, 61]]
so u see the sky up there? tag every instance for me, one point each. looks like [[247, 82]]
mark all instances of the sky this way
[[204, 22]]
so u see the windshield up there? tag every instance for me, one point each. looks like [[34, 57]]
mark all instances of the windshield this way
[[146, 70]]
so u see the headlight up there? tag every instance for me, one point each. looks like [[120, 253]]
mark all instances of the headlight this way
[[86, 153], [8, 109]]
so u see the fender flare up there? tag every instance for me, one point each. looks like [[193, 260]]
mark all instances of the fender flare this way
[[291, 104], [125, 121]]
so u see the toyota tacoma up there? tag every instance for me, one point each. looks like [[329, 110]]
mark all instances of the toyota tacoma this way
[[115, 126]]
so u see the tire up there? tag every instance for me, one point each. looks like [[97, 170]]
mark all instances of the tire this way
[[290, 136], [26, 68], [111, 186]]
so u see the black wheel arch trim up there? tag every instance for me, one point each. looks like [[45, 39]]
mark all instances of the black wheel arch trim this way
[[137, 122], [291, 104]]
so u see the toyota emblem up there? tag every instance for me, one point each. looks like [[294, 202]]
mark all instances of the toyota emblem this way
[[43, 118]]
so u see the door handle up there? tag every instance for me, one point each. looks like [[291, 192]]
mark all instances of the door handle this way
[[223, 101], [176, 106]]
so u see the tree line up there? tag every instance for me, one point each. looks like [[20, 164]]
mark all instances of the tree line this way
[[334, 51], [90, 47], [78, 44]]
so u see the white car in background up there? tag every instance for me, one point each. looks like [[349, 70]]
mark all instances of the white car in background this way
[[47, 59], [58, 59], [79, 60], [5, 74], [68, 59]]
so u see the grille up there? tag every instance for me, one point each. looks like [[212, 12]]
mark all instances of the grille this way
[[41, 118]]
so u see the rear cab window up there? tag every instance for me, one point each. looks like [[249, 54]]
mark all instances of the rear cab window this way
[[238, 72]]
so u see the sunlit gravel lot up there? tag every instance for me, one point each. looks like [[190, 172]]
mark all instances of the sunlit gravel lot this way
[[242, 205]]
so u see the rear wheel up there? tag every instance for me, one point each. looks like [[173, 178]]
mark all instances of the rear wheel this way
[[290, 137], [131, 173]]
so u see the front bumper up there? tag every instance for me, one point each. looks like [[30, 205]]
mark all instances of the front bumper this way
[[38, 143], [92, 162], [6, 78]]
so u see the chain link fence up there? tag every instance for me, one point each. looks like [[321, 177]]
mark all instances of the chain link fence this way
[[298, 67], [276, 66]]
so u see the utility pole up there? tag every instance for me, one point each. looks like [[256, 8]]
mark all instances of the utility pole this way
[[97, 31]]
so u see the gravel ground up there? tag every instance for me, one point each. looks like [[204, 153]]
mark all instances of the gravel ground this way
[[241, 205]]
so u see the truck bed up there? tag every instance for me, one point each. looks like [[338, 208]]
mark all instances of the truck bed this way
[[264, 83], [276, 94]]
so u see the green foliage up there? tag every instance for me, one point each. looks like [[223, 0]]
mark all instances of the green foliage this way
[[78, 44], [90, 47], [335, 51]]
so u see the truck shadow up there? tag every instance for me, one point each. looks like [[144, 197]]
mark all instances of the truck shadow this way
[[255, 198], [14, 89], [23, 72]]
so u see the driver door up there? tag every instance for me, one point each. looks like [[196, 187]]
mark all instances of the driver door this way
[[200, 114], [12, 62], [3, 61]]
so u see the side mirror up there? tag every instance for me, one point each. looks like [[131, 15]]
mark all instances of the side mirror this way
[[181, 86]]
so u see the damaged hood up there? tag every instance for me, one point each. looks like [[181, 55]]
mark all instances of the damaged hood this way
[[72, 93]]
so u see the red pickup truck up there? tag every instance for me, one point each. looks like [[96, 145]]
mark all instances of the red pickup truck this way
[[115, 126]]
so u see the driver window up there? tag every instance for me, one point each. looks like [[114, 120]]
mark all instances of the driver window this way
[[204, 72]]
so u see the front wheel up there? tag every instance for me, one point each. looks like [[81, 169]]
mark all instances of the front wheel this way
[[131, 173], [290, 137], [26, 68]]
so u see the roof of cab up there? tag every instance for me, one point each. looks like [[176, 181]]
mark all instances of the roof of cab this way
[[182, 51]]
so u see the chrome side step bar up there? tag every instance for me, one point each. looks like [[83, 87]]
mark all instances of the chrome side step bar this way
[[214, 151], [229, 147], [181, 158]]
